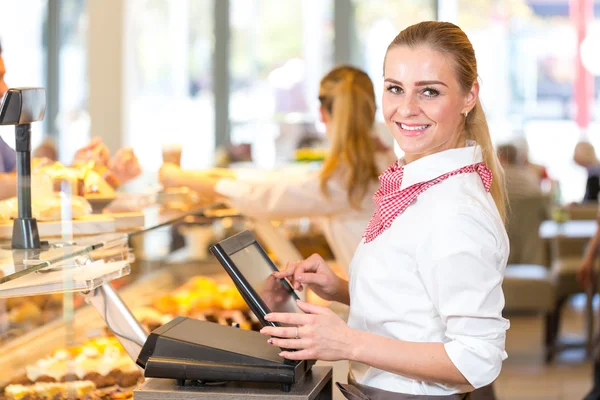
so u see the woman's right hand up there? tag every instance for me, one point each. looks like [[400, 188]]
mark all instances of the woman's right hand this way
[[315, 274]]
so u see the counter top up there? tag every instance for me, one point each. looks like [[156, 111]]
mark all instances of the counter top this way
[[316, 385]]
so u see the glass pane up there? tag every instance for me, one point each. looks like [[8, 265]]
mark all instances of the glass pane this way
[[279, 51], [169, 63], [526, 59]]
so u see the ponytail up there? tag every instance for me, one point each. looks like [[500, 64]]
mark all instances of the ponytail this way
[[477, 129], [352, 109]]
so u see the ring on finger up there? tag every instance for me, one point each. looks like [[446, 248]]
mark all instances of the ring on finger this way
[[297, 333]]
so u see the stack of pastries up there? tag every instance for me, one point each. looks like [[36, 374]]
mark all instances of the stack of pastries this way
[[102, 369]]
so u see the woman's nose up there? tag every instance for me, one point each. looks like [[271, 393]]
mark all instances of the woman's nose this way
[[408, 107]]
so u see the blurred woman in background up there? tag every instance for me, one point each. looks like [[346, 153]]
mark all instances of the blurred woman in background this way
[[340, 193]]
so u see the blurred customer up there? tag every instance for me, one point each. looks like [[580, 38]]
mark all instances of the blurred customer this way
[[523, 159], [521, 181], [587, 277], [8, 158], [341, 193], [123, 166], [528, 208], [47, 150], [585, 156]]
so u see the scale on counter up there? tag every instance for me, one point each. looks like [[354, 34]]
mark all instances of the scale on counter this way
[[202, 352]]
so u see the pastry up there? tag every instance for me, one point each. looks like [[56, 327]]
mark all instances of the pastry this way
[[129, 379], [45, 379], [27, 311], [166, 304], [69, 378], [20, 380], [17, 392]]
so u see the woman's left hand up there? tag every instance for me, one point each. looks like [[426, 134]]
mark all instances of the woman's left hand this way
[[322, 335]]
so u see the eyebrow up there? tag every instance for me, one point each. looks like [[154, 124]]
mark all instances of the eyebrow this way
[[420, 83]]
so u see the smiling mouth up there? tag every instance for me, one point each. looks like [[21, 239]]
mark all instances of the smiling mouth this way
[[412, 130]]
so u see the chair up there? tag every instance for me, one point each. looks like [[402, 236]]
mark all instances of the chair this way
[[529, 289], [584, 211], [567, 259], [525, 216], [528, 285]]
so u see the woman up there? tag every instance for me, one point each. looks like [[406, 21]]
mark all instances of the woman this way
[[425, 288], [340, 193]]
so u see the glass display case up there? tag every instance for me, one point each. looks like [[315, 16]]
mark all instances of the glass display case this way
[[55, 302]]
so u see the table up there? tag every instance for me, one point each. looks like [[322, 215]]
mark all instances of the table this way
[[576, 229]]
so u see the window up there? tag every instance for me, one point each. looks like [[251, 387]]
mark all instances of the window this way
[[279, 52], [73, 120], [526, 60], [377, 24], [23, 50], [169, 82]]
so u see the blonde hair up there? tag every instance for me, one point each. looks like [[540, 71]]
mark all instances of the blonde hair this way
[[450, 40], [347, 94]]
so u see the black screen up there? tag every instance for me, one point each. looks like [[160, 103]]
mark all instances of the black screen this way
[[258, 272]]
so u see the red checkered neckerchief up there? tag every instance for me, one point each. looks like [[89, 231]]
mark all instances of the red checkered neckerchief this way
[[391, 201]]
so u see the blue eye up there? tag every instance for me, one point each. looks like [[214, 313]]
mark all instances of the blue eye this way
[[429, 92], [395, 89]]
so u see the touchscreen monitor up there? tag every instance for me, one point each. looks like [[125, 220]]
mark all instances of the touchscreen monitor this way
[[251, 270]]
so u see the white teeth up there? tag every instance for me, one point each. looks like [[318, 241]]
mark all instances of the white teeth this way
[[413, 128]]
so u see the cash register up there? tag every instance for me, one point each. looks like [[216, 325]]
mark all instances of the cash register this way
[[201, 352]]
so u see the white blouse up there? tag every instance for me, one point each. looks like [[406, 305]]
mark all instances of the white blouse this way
[[293, 196], [436, 276]]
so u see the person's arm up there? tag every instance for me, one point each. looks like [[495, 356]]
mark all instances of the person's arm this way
[[288, 197], [325, 336], [461, 270], [315, 274], [420, 361], [8, 157], [592, 250], [586, 271], [200, 181], [285, 198], [8, 185]]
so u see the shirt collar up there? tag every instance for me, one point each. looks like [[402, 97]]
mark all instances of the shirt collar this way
[[437, 164]]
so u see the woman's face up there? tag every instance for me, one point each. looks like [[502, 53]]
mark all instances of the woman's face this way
[[423, 104]]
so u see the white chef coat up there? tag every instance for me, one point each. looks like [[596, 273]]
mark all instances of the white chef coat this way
[[296, 196], [435, 275]]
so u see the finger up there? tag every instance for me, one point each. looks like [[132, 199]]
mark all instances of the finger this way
[[313, 308], [289, 318], [289, 343], [286, 332], [276, 331], [298, 271], [284, 274], [311, 264], [312, 279], [297, 355]]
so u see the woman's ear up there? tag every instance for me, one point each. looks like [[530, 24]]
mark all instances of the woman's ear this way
[[471, 97]]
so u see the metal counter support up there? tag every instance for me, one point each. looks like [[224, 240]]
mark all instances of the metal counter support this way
[[118, 319]]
